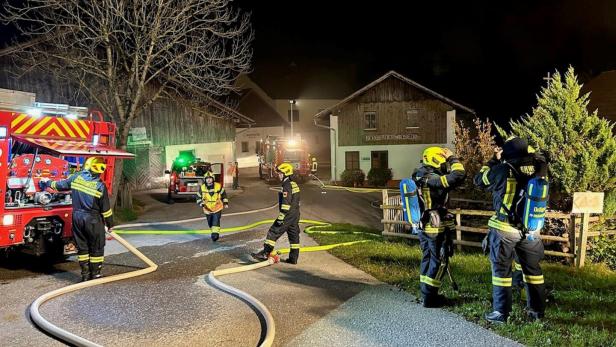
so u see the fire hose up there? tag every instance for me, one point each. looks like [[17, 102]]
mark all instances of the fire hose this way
[[266, 340]]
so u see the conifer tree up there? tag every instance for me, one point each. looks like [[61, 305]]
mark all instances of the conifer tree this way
[[581, 146]]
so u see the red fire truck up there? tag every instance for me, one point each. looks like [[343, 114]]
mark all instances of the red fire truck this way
[[277, 150], [187, 174], [46, 140]]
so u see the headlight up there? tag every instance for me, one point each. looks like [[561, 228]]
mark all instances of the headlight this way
[[8, 219]]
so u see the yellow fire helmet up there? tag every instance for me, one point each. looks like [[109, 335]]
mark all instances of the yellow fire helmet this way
[[285, 168], [209, 174], [95, 165], [434, 156]]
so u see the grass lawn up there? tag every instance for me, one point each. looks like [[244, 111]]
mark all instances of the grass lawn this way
[[582, 303]]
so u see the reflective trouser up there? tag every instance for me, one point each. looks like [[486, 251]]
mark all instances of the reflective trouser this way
[[518, 280], [431, 270], [89, 233], [213, 221], [289, 226], [503, 246]]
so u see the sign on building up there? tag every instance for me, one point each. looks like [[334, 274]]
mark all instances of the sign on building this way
[[138, 136], [390, 137]]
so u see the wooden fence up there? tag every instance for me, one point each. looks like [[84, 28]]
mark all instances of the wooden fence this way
[[575, 240]]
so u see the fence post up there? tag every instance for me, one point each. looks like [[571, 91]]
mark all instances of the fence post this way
[[385, 211], [581, 254], [573, 238], [458, 231]]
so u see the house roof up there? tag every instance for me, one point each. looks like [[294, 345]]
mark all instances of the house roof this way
[[602, 94], [403, 79]]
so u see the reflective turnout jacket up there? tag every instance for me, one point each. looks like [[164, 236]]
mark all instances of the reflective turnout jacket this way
[[213, 197], [289, 201], [435, 187], [505, 182], [89, 194]]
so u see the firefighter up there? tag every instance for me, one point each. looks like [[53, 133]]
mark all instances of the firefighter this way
[[288, 218], [506, 179], [213, 198], [440, 173], [313, 167], [91, 213]]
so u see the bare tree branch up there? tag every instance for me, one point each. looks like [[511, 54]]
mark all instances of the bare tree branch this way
[[123, 53]]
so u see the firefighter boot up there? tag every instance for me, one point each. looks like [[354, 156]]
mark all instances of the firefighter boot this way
[[85, 270], [534, 315], [435, 301], [293, 255], [263, 254], [215, 236], [496, 317], [95, 270]]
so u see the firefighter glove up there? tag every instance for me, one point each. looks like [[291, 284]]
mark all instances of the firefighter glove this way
[[44, 183], [226, 205]]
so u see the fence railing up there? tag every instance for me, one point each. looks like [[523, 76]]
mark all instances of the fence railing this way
[[574, 240]]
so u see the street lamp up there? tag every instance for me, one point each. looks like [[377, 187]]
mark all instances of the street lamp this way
[[291, 102]]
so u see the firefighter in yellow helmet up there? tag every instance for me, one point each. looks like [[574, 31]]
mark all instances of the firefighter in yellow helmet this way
[[91, 213], [288, 218], [213, 198], [440, 173]]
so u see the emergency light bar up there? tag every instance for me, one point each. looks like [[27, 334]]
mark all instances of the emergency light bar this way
[[73, 112]]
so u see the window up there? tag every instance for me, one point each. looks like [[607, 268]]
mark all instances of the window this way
[[370, 121], [379, 160], [412, 118], [351, 160], [244, 146], [295, 115]]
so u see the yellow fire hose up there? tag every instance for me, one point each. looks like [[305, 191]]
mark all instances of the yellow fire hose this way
[[65, 335], [266, 341], [270, 326]]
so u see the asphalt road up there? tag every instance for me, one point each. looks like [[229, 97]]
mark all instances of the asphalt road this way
[[173, 306], [312, 303]]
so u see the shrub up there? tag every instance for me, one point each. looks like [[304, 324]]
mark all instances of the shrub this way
[[604, 251], [609, 204], [353, 178], [474, 147], [379, 176]]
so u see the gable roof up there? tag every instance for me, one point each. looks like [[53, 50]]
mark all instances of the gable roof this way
[[403, 79]]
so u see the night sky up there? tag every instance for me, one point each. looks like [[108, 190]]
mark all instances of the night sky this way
[[488, 55]]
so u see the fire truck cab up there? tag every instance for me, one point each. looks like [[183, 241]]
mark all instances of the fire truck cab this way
[[188, 173], [277, 150], [52, 141]]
